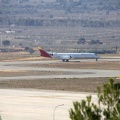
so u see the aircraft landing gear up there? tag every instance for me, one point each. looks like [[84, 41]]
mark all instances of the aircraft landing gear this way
[[65, 60]]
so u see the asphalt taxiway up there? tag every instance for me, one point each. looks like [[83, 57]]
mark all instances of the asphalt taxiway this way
[[74, 73], [38, 104]]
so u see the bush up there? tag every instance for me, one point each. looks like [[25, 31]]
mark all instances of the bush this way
[[108, 107]]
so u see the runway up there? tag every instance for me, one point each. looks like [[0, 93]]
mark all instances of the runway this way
[[74, 73]]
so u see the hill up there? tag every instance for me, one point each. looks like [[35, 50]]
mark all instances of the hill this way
[[56, 24]]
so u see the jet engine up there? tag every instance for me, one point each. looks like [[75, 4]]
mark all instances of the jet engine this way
[[65, 58]]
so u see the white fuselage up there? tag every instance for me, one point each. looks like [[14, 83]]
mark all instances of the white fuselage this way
[[67, 56]]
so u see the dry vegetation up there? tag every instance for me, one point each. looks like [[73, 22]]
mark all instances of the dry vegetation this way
[[10, 73], [64, 39], [13, 56], [79, 85], [60, 37]]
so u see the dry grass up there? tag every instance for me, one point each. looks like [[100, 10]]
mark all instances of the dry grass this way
[[79, 85], [14, 56], [12, 73]]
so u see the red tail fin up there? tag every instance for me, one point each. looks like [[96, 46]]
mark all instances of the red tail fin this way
[[44, 53]]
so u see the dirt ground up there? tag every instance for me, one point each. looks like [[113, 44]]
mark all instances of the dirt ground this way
[[108, 65], [66, 84], [28, 73], [78, 85]]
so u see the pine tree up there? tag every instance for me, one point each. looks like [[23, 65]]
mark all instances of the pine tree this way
[[0, 118], [108, 107]]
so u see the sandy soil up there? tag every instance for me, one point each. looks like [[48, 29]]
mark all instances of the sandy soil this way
[[79, 85], [29, 73]]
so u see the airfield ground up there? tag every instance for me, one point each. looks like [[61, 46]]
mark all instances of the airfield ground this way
[[31, 87], [65, 84]]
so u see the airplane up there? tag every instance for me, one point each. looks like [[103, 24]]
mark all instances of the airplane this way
[[66, 56]]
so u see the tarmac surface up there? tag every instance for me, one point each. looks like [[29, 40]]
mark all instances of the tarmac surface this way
[[24, 104], [38, 104], [75, 73]]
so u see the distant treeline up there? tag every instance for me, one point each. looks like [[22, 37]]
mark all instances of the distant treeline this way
[[59, 22], [24, 6]]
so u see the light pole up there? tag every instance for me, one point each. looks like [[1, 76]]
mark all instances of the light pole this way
[[55, 109]]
